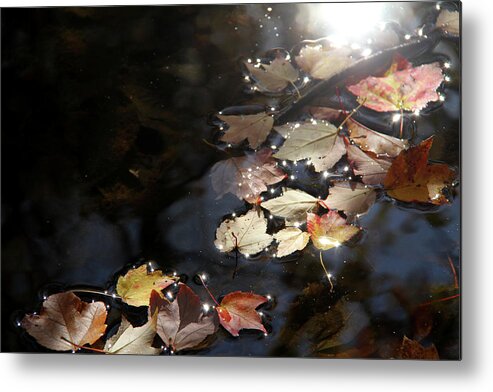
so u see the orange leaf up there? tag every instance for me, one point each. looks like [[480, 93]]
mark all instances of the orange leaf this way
[[329, 230]]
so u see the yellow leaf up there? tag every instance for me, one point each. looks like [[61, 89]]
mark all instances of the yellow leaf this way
[[136, 286]]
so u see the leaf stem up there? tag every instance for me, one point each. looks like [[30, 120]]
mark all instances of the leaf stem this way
[[208, 291], [402, 124], [351, 114], [89, 291], [84, 347], [329, 276]]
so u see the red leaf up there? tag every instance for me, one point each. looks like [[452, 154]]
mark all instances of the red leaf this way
[[237, 312]]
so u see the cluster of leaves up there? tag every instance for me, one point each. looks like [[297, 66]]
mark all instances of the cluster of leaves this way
[[179, 319], [377, 163]]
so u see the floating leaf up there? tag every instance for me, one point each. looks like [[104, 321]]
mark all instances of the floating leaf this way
[[237, 312], [367, 165], [254, 127], [449, 22], [405, 89], [352, 198], [317, 141], [246, 233], [273, 77], [133, 340], [181, 324], [293, 204], [376, 142], [411, 349], [246, 177], [412, 179], [329, 230], [325, 113], [321, 63], [290, 240], [136, 286], [65, 319]]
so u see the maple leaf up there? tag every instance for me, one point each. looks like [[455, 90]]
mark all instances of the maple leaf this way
[[246, 233], [376, 142], [273, 77], [367, 165], [66, 322], [247, 176], [254, 127], [329, 230], [181, 324], [133, 340], [293, 204], [352, 198], [325, 113], [136, 286], [237, 312], [411, 349], [449, 22], [400, 89], [412, 179], [321, 63], [318, 141], [290, 240]]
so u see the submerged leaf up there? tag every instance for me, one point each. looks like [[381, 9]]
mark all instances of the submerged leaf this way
[[367, 165], [237, 312], [136, 286], [246, 233], [411, 349], [317, 141], [247, 176], [412, 179], [254, 127], [65, 319], [290, 240], [329, 230], [181, 324], [273, 77], [352, 198], [293, 204], [376, 142], [321, 63], [133, 340], [449, 22], [405, 89]]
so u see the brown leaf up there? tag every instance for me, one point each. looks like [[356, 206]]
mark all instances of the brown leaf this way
[[411, 349], [329, 230], [247, 176], [65, 319], [181, 324], [323, 63], [237, 312], [379, 143], [352, 198], [412, 179], [367, 165], [254, 127], [273, 77]]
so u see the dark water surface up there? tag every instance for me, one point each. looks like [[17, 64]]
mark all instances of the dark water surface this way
[[104, 112]]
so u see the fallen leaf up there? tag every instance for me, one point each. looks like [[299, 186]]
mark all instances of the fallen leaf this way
[[181, 324], [293, 205], [367, 165], [352, 198], [411, 349], [133, 340], [325, 113], [136, 286], [317, 141], [329, 230], [405, 89], [412, 179], [290, 240], [65, 319], [322, 63], [273, 77], [254, 127], [376, 142], [246, 233], [237, 312], [247, 176], [449, 22]]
